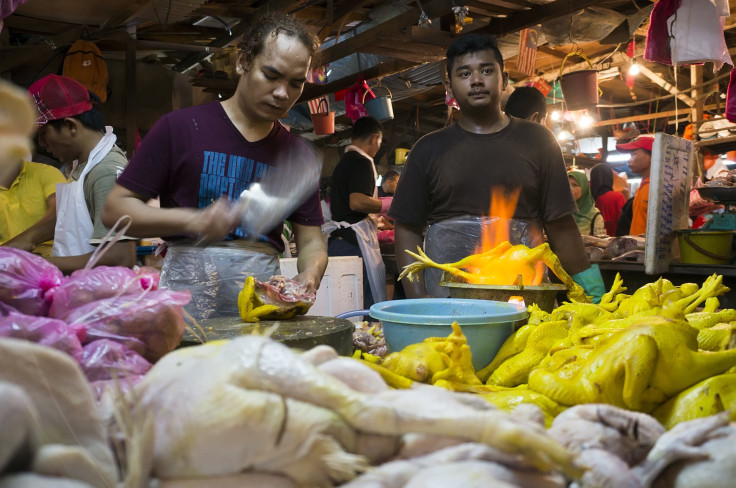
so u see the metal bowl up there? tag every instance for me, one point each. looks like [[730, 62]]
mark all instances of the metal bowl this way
[[722, 194], [544, 295]]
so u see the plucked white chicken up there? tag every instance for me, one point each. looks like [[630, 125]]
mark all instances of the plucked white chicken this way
[[253, 404]]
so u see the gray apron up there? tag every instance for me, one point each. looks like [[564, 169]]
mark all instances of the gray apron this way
[[451, 240], [215, 274]]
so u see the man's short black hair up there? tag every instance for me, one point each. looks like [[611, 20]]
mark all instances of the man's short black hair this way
[[91, 119], [365, 127], [390, 175], [524, 101], [472, 43]]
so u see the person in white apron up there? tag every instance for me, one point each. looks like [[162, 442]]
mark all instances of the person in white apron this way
[[199, 160], [353, 198], [74, 132]]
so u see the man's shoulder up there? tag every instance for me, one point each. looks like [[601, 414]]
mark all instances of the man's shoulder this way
[[113, 163]]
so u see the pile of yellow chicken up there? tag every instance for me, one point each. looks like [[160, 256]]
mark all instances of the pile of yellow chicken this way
[[649, 352]]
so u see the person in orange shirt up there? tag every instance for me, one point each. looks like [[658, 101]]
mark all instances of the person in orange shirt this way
[[640, 163]]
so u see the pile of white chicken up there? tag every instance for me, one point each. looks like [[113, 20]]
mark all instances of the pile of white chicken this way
[[252, 413]]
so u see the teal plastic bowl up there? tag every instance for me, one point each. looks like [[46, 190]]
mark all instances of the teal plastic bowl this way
[[485, 323]]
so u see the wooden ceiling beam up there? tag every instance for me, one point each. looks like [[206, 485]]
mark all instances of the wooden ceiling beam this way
[[433, 8], [16, 58], [237, 31], [539, 14]]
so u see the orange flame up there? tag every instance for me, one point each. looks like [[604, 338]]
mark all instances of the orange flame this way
[[500, 263]]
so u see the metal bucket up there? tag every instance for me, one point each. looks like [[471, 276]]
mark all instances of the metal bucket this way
[[324, 122], [579, 88], [544, 295], [380, 108]]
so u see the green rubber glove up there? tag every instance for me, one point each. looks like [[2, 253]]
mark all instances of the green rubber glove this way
[[592, 282]]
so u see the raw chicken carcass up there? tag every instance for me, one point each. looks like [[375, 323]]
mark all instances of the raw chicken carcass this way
[[219, 394], [277, 298], [71, 439], [19, 440]]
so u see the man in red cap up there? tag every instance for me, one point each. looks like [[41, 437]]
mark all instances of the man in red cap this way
[[640, 163], [75, 133]]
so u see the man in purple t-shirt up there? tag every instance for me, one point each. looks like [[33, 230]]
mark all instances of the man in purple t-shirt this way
[[198, 160]]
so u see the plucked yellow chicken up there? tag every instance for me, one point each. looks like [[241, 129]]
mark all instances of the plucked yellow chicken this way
[[717, 338], [510, 398], [637, 368], [708, 397], [503, 265]]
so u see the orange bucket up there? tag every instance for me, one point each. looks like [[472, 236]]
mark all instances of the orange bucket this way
[[324, 122]]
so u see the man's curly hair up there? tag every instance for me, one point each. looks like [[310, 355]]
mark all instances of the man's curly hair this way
[[272, 25]]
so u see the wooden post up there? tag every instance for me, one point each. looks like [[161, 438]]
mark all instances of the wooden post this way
[[130, 95], [696, 78]]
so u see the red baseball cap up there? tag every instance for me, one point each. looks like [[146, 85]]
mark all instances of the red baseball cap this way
[[641, 142], [57, 97]]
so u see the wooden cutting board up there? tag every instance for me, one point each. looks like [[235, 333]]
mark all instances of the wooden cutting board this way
[[303, 331]]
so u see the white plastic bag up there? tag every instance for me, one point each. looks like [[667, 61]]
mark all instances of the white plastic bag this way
[[697, 28]]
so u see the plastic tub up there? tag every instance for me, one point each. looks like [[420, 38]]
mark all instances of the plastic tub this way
[[485, 323]]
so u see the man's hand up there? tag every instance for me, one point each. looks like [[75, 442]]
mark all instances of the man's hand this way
[[213, 223], [310, 279]]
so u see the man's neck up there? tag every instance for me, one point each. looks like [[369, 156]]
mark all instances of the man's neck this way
[[486, 122], [251, 131], [87, 143]]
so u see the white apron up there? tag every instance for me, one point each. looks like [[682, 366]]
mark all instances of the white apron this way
[[366, 232], [74, 225]]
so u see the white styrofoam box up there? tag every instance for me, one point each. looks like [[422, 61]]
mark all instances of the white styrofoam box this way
[[341, 289]]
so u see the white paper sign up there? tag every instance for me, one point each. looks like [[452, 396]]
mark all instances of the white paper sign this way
[[669, 199]]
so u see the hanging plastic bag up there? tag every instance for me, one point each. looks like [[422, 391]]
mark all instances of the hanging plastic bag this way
[[354, 96], [731, 98], [697, 33]]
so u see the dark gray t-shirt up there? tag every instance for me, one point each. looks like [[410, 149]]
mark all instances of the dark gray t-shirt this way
[[450, 173]]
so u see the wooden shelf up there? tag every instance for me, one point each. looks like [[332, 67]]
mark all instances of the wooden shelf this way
[[719, 145], [581, 161]]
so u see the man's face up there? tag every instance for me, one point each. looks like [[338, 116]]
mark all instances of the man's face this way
[[640, 162], [375, 144], [476, 81], [58, 142], [271, 85], [391, 185]]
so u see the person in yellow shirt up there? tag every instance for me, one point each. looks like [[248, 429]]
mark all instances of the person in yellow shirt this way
[[28, 205], [640, 163]]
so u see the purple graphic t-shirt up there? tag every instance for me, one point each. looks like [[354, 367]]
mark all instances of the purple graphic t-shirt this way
[[194, 155]]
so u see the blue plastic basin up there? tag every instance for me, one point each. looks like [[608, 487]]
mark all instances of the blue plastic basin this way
[[485, 323]]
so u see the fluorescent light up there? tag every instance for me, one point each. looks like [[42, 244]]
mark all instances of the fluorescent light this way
[[555, 115], [634, 69], [617, 158], [585, 121]]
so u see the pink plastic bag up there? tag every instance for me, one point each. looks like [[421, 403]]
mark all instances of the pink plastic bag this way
[[150, 324], [87, 285], [44, 331], [105, 360], [27, 281]]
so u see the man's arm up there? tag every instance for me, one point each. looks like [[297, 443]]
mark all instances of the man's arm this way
[[564, 239], [312, 255], [207, 225], [119, 254], [38, 233], [360, 202], [409, 237]]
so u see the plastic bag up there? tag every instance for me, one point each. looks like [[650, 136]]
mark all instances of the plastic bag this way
[[150, 324], [731, 98], [44, 331], [106, 360], [87, 285], [697, 30], [27, 281]]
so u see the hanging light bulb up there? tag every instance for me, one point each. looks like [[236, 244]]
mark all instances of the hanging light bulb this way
[[585, 121], [634, 69], [556, 115], [564, 136]]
